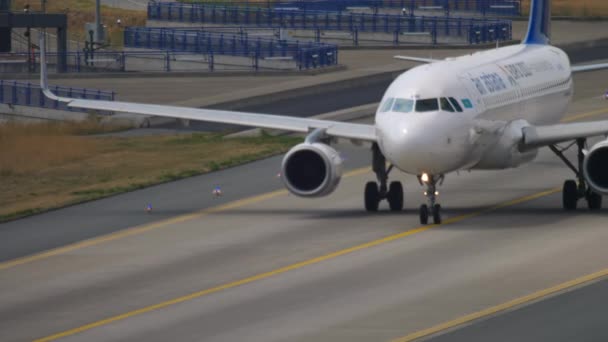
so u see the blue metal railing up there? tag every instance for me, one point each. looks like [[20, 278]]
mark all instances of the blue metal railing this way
[[474, 30], [29, 94], [483, 7], [306, 55]]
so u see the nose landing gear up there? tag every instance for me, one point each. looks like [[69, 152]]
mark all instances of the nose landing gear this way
[[431, 209]]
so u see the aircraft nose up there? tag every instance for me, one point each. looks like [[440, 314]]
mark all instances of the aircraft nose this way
[[422, 145]]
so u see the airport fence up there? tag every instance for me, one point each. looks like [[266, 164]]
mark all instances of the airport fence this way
[[30, 94], [510, 8], [304, 55], [472, 30], [142, 59]]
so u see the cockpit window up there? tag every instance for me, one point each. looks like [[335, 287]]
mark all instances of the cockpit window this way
[[403, 106], [445, 105], [456, 104], [387, 105], [427, 105]]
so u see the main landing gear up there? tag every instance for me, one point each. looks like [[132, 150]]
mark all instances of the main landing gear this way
[[574, 190], [431, 209], [376, 192]]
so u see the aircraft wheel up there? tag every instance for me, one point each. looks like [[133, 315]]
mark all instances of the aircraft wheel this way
[[424, 214], [437, 214], [594, 201], [372, 196], [570, 195], [395, 196]]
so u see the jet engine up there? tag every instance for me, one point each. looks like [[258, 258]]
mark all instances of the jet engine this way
[[595, 167], [505, 153], [312, 170]]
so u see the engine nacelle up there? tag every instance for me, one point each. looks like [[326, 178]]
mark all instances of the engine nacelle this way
[[595, 167], [312, 170], [506, 153]]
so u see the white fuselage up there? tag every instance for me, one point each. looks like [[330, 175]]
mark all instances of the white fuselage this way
[[507, 87]]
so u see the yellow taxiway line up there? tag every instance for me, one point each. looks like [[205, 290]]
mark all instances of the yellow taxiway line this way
[[504, 306]]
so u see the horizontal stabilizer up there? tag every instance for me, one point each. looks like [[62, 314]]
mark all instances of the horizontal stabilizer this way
[[416, 59]]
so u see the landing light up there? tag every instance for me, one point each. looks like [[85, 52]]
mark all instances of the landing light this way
[[424, 177]]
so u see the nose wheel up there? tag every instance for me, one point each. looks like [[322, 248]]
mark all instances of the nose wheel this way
[[431, 209]]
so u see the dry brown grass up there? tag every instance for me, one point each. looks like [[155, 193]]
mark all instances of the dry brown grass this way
[[80, 12], [52, 165], [575, 8]]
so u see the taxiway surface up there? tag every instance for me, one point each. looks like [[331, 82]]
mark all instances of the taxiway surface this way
[[275, 267]]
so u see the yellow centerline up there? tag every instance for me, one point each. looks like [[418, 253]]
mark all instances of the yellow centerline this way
[[504, 306], [585, 115], [288, 268]]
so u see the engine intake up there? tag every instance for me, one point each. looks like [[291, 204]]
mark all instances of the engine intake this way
[[312, 170], [595, 167]]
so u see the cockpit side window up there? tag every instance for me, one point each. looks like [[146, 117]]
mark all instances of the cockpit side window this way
[[403, 106], [427, 105], [386, 106], [456, 104], [445, 105]]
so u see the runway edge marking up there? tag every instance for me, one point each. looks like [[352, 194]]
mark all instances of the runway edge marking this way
[[291, 267], [142, 229], [151, 226], [503, 307]]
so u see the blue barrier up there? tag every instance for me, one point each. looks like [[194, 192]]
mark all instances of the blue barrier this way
[[474, 30], [483, 7], [306, 55], [29, 94]]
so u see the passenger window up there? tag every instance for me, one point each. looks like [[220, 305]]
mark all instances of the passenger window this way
[[456, 104], [387, 105], [427, 105], [445, 105], [403, 106]]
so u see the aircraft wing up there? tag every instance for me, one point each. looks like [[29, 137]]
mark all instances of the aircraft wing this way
[[538, 136], [590, 67], [339, 129]]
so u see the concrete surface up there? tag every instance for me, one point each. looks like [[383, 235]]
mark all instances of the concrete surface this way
[[578, 315], [374, 293]]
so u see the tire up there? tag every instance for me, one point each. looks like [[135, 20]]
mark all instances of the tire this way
[[424, 214], [395, 196], [437, 214], [570, 195], [372, 197], [594, 201]]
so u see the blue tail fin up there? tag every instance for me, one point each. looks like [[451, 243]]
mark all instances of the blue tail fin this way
[[539, 29]]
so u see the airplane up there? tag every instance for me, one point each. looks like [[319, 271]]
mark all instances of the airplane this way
[[490, 110]]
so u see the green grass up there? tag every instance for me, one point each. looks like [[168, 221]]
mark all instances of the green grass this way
[[47, 166]]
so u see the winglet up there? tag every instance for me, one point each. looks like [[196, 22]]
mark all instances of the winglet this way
[[539, 27], [44, 85]]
